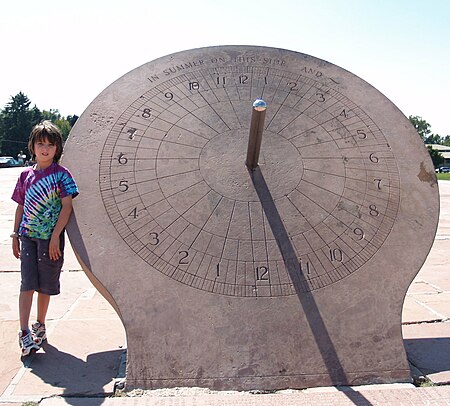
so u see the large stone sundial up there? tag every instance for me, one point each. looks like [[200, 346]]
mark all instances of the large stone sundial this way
[[288, 271]]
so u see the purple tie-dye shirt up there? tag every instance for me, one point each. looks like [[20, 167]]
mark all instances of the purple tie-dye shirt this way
[[40, 193]]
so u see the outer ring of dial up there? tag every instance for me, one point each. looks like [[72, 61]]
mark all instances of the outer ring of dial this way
[[215, 286]]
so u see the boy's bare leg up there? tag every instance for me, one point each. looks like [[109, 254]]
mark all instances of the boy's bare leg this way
[[25, 302], [42, 307]]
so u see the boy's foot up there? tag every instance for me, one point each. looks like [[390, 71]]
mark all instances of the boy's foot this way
[[26, 343], [38, 333]]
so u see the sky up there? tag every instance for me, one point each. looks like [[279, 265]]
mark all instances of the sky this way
[[62, 53]]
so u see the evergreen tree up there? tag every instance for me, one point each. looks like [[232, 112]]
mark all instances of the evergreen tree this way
[[17, 120]]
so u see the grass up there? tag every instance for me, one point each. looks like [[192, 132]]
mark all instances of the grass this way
[[443, 176], [423, 382]]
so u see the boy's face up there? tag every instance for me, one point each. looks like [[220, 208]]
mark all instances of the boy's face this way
[[44, 151]]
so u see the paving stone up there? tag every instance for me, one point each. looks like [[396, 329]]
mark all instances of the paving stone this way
[[439, 303], [414, 312], [10, 362], [439, 396], [427, 346]]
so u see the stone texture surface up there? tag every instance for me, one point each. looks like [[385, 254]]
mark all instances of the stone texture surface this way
[[161, 217]]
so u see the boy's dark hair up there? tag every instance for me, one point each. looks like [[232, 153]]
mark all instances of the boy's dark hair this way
[[46, 130]]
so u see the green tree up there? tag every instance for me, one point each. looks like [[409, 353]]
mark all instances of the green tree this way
[[64, 126], [421, 126], [17, 119], [16, 122], [72, 119], [433, 139], [424, 130], [61, 122], [51, 115], [436, 157], [1, 130]]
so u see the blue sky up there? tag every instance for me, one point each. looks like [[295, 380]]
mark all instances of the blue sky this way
[[62, 54]]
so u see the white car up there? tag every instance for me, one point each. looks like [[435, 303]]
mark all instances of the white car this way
[[8, 162]]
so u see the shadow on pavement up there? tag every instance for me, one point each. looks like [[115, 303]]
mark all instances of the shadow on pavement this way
[[429, 355], [76, 377]]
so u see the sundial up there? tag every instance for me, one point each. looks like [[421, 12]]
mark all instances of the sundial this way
[[255, 215]]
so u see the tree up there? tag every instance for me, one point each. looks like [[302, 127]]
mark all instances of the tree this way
[[433, 139], [16, 122], [61, 122], [436, 157], [424, 130], [52, 115], [64, 126], [1, 130], [421, 126], [72, 119], [17, 119]]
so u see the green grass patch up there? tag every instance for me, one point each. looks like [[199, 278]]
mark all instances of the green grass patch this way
[[443, 176], [423, 382]]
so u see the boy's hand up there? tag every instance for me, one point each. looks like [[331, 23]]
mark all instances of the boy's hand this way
[[54, 250], [16, 247]]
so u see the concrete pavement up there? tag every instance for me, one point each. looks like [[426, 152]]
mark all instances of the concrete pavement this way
[[85, 354]]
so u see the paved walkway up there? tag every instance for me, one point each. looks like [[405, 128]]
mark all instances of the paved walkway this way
[[86, 351]]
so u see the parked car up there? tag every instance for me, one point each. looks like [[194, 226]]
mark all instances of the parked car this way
[[444, 169], [8, 162]]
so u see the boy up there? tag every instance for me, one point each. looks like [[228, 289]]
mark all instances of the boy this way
[[43, 194]]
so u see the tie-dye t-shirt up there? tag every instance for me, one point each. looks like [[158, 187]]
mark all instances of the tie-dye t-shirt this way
[[40, 192]]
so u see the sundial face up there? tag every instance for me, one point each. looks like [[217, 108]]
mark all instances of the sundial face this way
[[174, 182], [234, 200]]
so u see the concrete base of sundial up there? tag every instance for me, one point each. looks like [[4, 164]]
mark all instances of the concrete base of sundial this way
[[290, 275], [343, 335]]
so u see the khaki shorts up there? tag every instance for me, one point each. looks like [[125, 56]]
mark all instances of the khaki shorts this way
[[38, 271]]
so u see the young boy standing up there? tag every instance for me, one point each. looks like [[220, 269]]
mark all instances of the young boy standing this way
[[43, 194]]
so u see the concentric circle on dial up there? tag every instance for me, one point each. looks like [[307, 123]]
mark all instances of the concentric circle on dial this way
[[175, 185], [222, 165]]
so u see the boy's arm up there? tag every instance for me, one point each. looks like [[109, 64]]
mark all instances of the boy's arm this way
[[64, 215], [15, 237]]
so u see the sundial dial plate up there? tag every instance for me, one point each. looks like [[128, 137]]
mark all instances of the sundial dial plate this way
[[175, 185], [179, 214]]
